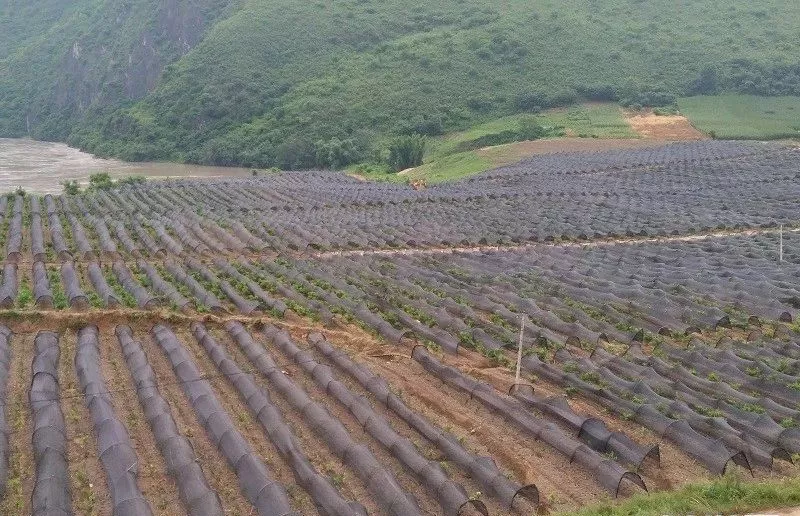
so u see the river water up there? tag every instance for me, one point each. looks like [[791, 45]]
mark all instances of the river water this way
[[41, 167]]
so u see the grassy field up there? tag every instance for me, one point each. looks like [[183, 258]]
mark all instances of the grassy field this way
[[744, 116], [444, 162], [597, 120], [727, 495]]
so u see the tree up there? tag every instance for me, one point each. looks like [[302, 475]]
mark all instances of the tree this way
[[100, 181], [706, 84], [336, 153], [406, 152], [71, 187], [295, 154]]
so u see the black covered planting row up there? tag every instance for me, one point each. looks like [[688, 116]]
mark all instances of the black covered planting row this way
[[482, 469], [255, 480], [328, 500], [114, 445], [203, 296], [451, 496], [680, 188], [162, 286], [51, 493], [144, 299], [5, 359], [381, 483], [606, 471], [182, 463], [709, 451], [42, 293]]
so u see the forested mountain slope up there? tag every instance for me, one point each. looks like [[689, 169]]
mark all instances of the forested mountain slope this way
[[279, 82], [61, 60]]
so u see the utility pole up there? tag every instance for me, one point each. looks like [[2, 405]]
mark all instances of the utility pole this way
[[519, 350]]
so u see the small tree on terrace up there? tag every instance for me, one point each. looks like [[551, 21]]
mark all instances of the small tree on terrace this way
[[406, 152], [100, 181], [71, 187]]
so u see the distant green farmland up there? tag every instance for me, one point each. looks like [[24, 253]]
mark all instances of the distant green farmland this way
[[744, 116]]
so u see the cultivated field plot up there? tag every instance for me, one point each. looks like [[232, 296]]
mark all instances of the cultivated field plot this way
[[308, 343]]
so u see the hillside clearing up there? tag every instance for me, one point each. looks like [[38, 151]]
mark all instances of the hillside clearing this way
[[587, 127], [467, 164], [663, 127]]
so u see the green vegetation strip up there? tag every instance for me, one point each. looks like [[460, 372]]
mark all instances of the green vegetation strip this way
[[727, 495], [744, 116], [494, 143]]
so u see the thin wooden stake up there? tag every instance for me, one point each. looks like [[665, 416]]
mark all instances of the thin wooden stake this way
[[519, 350]]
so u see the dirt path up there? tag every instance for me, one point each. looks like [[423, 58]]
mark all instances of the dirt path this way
[[592, 243], [21, 467]]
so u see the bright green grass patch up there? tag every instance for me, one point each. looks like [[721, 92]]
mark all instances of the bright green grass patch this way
[[727, 495], [586, 121], [591, 121], [446, 168], [449, 168], [744, 116], [449, 143], [445, 162]]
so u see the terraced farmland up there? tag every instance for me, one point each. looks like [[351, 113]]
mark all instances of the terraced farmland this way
[[306, 343]]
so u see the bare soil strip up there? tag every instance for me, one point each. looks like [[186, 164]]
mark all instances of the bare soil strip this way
[[476, 428], [402, 428], [348, 484], [663, 127], [532, 245], [247, 425], [21, 468], [427, 503]]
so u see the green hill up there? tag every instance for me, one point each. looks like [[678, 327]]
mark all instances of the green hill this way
[[288, 83]]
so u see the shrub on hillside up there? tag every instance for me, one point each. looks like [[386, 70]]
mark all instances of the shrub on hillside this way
[[528, 129], [336, 153], [432, 125], [131, 180], [295, 154], [100, 181], [600, 92], [707, 83], [406, 152], [535, 101], [71, 187], [653, 97]]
